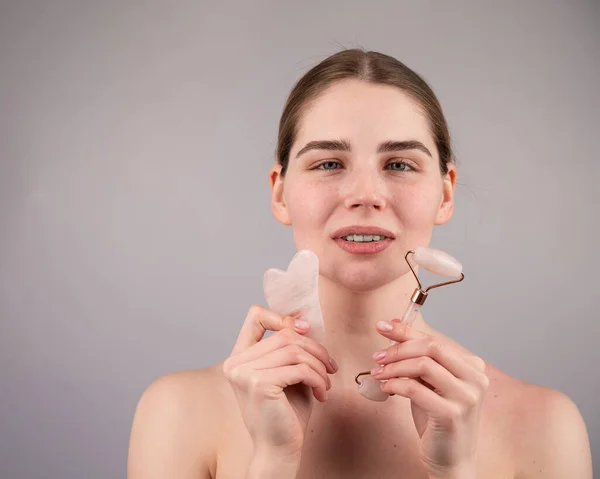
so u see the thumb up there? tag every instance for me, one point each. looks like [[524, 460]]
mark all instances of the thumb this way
[[294, 321], [258, 321]]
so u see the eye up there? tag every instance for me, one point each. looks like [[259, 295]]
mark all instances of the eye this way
[[327, 164], [400, 166]]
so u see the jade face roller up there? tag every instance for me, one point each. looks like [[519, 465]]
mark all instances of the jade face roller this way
[[432, 260]]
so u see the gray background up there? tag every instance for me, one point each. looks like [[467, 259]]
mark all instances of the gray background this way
[[135, 142]]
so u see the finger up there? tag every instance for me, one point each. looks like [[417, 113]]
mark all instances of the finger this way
[[290, 355], [476, 361], [279, 340], [426, 369], [432, 403], [258, 321], [432, 347], [400, 331], [274, 380]]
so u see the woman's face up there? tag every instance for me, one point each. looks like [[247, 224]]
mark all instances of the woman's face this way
[[358, 183]]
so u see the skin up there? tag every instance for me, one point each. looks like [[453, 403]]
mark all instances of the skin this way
[[526, 431], [365, 188], [401, 191]]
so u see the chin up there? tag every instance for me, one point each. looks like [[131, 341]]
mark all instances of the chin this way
[[361, 278]]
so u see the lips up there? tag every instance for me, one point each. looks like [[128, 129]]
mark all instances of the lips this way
[[362, 230]]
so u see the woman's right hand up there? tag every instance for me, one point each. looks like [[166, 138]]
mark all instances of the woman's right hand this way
[[274, 380]]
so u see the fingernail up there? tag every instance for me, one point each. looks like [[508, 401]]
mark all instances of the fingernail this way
[[328, 383], [378, 356], [376, 370], [384, 326], [333, 364], [299, 324]]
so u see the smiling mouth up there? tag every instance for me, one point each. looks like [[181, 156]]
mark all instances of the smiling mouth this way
[[364, 238]]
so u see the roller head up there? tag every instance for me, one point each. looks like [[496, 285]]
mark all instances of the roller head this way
[[370, 388], [437, 262]]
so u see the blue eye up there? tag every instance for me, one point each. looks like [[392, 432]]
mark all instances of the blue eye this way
[[404, 166], [328, 163], [332, 165]]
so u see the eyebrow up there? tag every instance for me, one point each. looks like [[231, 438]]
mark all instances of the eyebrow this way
[[384, 147]]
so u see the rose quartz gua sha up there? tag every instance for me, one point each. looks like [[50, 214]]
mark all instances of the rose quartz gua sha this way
[[297, 289], [432, 260]]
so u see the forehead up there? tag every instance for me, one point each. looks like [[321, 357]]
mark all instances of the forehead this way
[[366, 114]]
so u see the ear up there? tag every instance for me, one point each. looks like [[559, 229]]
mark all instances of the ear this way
[[278, 206], [447, 204]]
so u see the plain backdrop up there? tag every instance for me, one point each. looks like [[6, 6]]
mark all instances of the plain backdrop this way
[[135, 222]]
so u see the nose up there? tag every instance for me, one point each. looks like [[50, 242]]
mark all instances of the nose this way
[[366, 189]]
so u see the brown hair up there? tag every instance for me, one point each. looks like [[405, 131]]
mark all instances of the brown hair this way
[[368, 66]]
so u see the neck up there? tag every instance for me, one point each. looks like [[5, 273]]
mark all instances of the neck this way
[[350, 317]]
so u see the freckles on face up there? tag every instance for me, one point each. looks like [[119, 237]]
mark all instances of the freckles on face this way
[[365, 116], [310, 203], [317, 205], [418, 204]]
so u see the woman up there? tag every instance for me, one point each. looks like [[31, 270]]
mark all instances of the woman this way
[[363, 149]]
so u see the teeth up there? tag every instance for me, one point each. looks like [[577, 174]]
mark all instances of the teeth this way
[[363, 238]]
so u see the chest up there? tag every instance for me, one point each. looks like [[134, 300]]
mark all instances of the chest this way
[[343, 444]]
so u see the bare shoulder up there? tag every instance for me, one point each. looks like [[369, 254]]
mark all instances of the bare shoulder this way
[[544, 426], [541, 428], [175, 429]]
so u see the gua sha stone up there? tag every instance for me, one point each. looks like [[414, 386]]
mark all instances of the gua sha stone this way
[[297, 289]]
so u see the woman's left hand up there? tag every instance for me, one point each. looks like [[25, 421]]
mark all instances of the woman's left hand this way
[[446, 389]]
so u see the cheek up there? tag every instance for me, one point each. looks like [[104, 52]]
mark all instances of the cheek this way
[[308, 204], [419, 205]]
